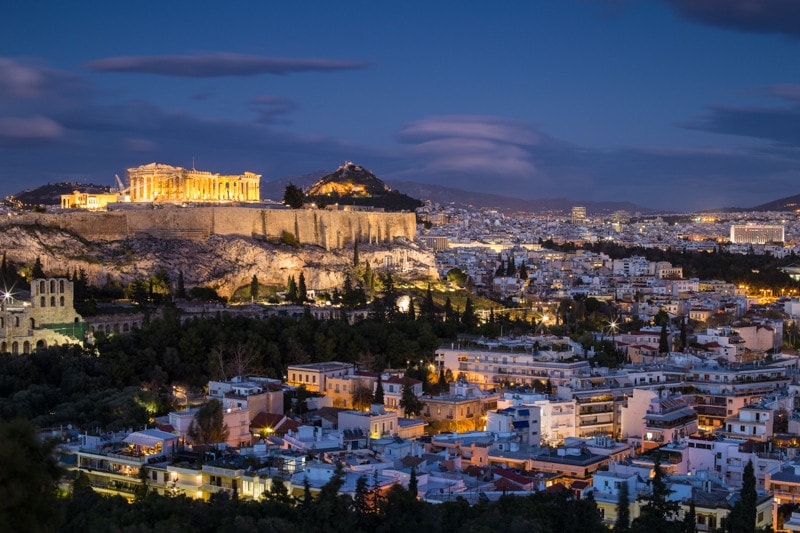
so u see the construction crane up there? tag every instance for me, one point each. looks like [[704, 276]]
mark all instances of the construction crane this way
[[124, 192]]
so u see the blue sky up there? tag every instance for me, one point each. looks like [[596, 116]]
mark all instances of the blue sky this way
[[672, 104]]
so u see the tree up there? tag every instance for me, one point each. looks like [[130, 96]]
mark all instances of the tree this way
[[658, 513], [683, 333], [663, 342], [37, 272], [623, 522], [355, 253], [409, 403], [302, 293], [742, 518], [30, 473], [469, 319], [208, 426], [428, 309], [291, 290], [362, 396], [523, 271], [293, 196], [689, 522], [379, 393], [181, 290], [254, 288]]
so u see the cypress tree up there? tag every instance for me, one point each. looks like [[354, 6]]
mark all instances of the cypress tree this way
[[37, 272], [291, 290], [623, 522], [302, 293], [379, 394], [663, 343], [355, 253], [181, 290], [254, 288]]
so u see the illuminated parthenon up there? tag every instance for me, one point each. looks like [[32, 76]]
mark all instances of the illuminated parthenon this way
[[164, 183]]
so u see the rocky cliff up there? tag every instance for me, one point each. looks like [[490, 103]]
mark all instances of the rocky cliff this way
[[225, 262]]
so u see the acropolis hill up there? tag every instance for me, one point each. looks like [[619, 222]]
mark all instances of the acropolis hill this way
[[220, 237]]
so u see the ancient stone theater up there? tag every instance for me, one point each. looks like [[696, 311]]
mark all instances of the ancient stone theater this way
[[164, 183]]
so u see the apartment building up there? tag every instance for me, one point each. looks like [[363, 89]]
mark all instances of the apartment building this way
[[313, 376]]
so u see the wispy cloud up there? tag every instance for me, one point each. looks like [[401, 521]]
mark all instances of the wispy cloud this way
[[217, 65], [271, 108], [17, 131], [754, 16]]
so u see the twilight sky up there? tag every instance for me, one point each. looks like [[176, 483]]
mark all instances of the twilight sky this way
[[673, 104]]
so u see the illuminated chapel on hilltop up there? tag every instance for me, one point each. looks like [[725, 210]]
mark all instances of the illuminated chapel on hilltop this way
[[164, 183]]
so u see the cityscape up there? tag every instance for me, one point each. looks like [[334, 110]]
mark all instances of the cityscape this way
[[374, 268]]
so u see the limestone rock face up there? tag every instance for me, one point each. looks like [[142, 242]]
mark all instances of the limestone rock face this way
[[222, 262]]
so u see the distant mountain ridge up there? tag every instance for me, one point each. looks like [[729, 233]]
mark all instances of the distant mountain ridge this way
[[790, 203], [447, 195]]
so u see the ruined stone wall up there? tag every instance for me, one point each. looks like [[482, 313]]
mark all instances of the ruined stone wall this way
[[329, 229]]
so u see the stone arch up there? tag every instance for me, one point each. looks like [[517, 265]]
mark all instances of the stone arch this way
[[61, 301], [15, 348], [3, 347], [26, 347], [42, 302], [52, 285], [33, 322], [42, 286], [52, 301], [41, 343], [125, 327], [116, 328], [61, 285], [16, 321]]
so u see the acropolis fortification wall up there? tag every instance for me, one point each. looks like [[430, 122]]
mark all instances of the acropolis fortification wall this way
[[329, 229]]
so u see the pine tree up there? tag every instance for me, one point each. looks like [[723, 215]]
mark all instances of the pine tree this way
[[355, 254], [293, 196], [511, 269], [409, 403], [412, 314]]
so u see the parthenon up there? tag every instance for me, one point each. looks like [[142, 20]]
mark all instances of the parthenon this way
[[164, 183]]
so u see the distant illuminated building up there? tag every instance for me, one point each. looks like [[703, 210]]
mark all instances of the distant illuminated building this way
[[164, 183], [87, 200], [756, 234], [578, 215]]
